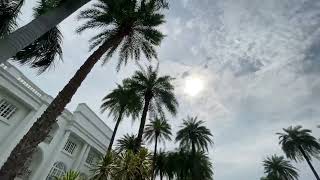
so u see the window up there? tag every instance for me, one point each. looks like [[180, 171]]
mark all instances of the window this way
[[70, 147], [6, 109], [93, 157], [57, 170]]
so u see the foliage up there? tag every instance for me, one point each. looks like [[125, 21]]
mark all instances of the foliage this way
[[124, 166], [193, 133], [295, 138], [276, 167], [159, 129], [127, 143], [129, 25], [70, 175], [8, 15], [159, 88], [41, 54], [122, 99]]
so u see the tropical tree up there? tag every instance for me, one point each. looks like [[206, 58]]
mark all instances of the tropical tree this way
[[126, 25], [12, 43], [104, 168], [41, 54], [157, 93], [158, 130], [299, 145], [121, 102], [127, 143], [193, 135], [276, 167], [8, 14], [160, 167], [70, 175]]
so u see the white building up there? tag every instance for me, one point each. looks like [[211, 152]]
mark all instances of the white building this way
[[75, 142]]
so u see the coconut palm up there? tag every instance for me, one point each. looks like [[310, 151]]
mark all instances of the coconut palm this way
[[127, 143], [299, 145], [104, 168], [158, 130], [276, 167], [8, 14], [12, 43], [193, 135], [125, 25], [121, 102], [157, 93], [41, 54]]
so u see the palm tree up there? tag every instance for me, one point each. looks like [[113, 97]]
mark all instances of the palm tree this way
[[127, 143], [160, 167], [193, 135], [12, 43], [158, 130], [157, 93], [8, 15], [298, 144], [104, 168], [70, 175], [276, 167], [42, 52], [126, 25], [120, 102]]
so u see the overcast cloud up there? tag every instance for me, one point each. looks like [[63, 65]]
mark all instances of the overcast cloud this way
[[260, 61]]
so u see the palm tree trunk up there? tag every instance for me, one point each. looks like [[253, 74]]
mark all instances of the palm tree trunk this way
[[193, 173], [309, 163], [41, 128], [147, 100], [154, 158], [115, 129], [11, 44]]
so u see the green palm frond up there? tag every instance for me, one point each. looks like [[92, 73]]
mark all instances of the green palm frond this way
[[276, 167], [296, 137], [8, 15], [130, 25], [193, 132], [42, 53], [145, 82], [127, 143], [122, 99], [159, 128], [70, 175]]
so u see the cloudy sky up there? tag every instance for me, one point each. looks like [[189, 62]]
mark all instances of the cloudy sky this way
[[258, 62]]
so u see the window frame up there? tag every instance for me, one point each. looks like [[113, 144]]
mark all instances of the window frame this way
[[57, 170], [8, 110], [70, 147]]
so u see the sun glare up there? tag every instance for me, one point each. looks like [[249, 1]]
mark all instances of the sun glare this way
[[193, 86]]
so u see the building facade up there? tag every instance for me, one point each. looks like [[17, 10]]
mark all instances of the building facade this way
[[75, 142]]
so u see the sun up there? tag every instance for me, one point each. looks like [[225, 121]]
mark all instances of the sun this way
[[193, 86]]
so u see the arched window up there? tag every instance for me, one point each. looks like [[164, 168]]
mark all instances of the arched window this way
[[57, 170]]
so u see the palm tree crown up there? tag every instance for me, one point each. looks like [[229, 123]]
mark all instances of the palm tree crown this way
[[8, 15], [295, 138], [128, 25], [195, 134], [276, 167], [127, 143], [41, 54], [122, 101], [157, 130]]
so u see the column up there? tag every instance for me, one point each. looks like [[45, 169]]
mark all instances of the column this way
[[81, 157], [50, 158]]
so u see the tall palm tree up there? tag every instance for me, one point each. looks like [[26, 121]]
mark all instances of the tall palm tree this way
[[121, 102], [41, 54], [157, 93], [12, 43], [158, 130], [8, 15], [126, 25], [277, 167], [298, 144], [127, 143], [193, 135]]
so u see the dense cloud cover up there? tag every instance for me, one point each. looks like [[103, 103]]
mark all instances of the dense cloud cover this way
[[259, 61]]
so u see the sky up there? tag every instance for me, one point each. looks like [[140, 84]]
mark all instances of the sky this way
[[258, 61]]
